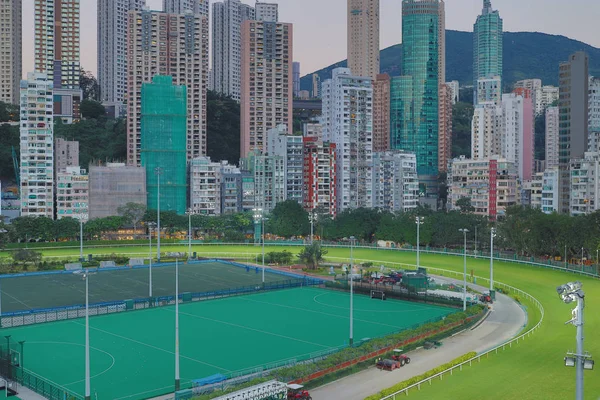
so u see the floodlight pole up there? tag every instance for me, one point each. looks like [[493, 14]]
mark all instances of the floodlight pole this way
[[465, 231], [582, 268], [352, 239], [419, 221], [580, 358], [158, 172], [177, 379], [190, 233], [80, 239], [262, 217], [150, 265], [312, 217], [87, 339], [475, 243], [492, 235]]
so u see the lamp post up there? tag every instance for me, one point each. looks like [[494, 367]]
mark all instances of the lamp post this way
[[582, 267], [352, 239], [311, 217], [151, 226], [158, 171], [475, 242], [568, 293], [189, 213], [465, 231], [85, 275], [419, 221], [259, 219], [81, 238], [566, 266], [492, 236], [177, 378]]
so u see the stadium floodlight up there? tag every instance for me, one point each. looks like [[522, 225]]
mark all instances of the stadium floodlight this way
[[85, 274], [177, 377], [569, 293], [465, 231], [190, 212], [151, 226], [352, 240], [492, 236], [158, 172], [419, 221]]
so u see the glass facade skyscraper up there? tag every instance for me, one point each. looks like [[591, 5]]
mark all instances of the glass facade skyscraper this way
[[414, 96], [487, 44]]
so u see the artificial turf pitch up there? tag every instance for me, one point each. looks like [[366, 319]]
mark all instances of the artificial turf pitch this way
[[132, 353], [60, 290]]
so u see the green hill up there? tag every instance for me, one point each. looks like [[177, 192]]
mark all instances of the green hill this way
[[526, 55]]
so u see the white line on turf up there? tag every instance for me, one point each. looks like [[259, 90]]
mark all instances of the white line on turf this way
[[321, 312], [151, 346], [14, 298], [82, 345], [247, 327]]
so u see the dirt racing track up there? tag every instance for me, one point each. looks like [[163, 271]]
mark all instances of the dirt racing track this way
[[504, 322]]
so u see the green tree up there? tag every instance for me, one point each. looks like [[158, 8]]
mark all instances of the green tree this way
[[288, 219], [65, 228], [9, 138], [464, 204], [89, 85], [462, 115], [223, 127], [132, 213], [25, 256], [9, 112], [91, 109], [312, 255]]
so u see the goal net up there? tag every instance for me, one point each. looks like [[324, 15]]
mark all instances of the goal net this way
[[378, 294]]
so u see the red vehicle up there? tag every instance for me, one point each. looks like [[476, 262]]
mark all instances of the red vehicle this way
[[403, 359], [296, 391]]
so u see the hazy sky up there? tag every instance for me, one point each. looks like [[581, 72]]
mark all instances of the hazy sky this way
[[320, 25]]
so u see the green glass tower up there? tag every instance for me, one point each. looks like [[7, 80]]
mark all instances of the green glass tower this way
[[164, 140], [414, 95], [487, 44]]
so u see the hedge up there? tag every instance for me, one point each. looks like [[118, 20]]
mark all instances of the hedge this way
[[403, 385]]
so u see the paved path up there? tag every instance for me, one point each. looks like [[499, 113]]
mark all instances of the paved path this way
[[504, 322]]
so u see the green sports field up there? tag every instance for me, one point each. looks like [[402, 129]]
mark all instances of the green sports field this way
[[132, 354], [59, 290]]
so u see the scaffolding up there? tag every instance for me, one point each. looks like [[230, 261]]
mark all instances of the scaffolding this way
[[164, 143]]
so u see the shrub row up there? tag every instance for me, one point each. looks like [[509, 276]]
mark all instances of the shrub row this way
[[403, 385]]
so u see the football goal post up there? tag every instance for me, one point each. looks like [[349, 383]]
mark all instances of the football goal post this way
[[378, 294]]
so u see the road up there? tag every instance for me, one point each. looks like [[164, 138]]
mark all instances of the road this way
[[505, 321]]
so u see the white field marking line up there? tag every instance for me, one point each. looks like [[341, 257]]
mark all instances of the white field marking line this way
[[14, 298], [147, 391], [321, 312], [248, 328], [151, 346], [374, 311], [82, 345]]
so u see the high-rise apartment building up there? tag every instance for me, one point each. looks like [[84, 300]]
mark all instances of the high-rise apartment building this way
[[227, 18], [552, 130], [289, 147], [573, 118], [363, 37], [414, 100], [269, 180], [267, 12], [594, 104], [296, 78], [544, 98], [518, 138], [487, 45], [66, 154], [491, 184], [550, 190], [487, 130], [489, 90], [348, 123], [181, 6], [455, 87], [72, 194], [57, 41], [530, 84], [395, 183], [381, 113], [316, 86], [112, 51], [320, 170], [168, 44], [10, 50], [266, 84], [445, 131], [163, 150], [205, 186], [585, 184], [37, 146]]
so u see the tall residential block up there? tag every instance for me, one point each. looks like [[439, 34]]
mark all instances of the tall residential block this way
[[319, 175], [66, 154], [544, 98], [266, 84], [381, 113], [584, 184], [164, 143], [205, 186], [594, 110], [37, 146], [113, 185], [445, 131], [550, 190], [348, 123], [395, 182], [72, 194], [57, 41], [289, 147], [455, 87], [518, 138], [363, 37], [414, 102], [316, 86], [227, 18], [112, 51], [573, 118], [296, 78], [10, 49], [181, 6], [552, 130], [489, 90], [267, 12], [487, 44], [167, 44], [491, 184], [487, 131]]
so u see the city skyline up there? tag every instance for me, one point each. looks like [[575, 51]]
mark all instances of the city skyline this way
[[330, 22]]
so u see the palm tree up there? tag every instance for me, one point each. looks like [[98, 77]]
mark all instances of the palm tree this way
[[312, 255]]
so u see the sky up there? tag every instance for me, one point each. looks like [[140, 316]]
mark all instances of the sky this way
[[320, 25]]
